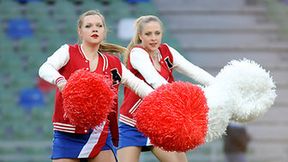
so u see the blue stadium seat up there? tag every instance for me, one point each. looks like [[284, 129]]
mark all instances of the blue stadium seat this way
[[30, 98], [19, 28], [137, 1]]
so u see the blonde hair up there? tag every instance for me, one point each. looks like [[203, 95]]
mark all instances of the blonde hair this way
[[104, 47], [139, 25]]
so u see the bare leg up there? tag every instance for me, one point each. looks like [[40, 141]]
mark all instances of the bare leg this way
[[129, 154], [165, 156], [106, 155]]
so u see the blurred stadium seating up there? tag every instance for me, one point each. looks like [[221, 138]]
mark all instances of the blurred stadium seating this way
[[31, 30]]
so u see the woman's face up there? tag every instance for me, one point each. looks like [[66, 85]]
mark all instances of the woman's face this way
[[151, 36], [92, 30]]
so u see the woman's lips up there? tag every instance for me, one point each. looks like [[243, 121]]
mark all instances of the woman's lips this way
[[153, 44], [94, 36]]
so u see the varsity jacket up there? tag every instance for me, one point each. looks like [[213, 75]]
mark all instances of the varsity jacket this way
[[140, 63], [70, 58], [131, 100]]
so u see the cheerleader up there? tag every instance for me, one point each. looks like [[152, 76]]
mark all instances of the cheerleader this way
[[153, 62], [72, 143]]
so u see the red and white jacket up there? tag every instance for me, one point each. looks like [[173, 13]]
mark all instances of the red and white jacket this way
[[69, 58], [140, 64]]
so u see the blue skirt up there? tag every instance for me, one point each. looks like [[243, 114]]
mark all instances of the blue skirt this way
[[70, 145], [130, 136]]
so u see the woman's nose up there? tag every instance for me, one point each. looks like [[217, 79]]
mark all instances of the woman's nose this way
[[95, 29]]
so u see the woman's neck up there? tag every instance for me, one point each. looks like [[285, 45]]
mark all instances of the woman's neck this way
[[154, 54], [155, 59], [90, 51]]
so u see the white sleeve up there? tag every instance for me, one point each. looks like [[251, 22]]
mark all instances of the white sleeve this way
[[185, 67], [49, 69], [134, 83], [140, 61]]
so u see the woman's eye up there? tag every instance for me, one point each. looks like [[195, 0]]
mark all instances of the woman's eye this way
[[148, 34]]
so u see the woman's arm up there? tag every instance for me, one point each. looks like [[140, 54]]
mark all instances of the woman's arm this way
[[49, 69], [134, 83], [185, 67], [140, 61]]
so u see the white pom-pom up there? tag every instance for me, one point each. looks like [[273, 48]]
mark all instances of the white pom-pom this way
[[218, 115], [249, 87], [242, 91]]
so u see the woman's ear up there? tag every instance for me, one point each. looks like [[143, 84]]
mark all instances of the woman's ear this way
[[79, 33]]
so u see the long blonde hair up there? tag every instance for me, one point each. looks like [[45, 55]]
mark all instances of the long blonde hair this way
[[139, 25], [104, 47]]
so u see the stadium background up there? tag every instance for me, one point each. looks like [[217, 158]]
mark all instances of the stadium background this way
[[209, 33]]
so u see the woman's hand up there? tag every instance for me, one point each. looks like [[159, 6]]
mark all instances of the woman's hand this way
[[61, 85]]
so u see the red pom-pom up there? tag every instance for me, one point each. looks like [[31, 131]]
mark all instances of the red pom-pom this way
[[87, 99], [174, 116]]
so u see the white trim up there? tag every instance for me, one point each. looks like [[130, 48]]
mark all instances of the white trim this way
[[63, 124], [127, 120], [148, 142], [105, 62], [92, 141], [82, 52], [64, 127], [135, 106]]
